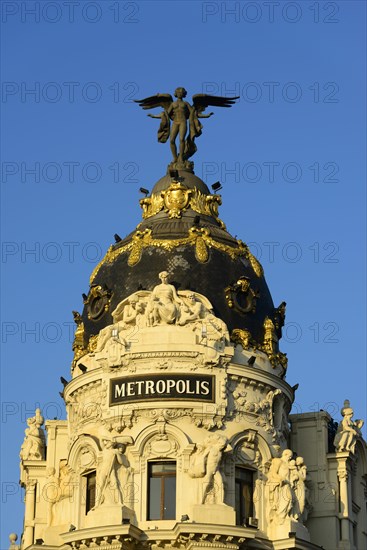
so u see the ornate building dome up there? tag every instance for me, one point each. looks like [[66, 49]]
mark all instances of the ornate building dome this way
[[182, 233]]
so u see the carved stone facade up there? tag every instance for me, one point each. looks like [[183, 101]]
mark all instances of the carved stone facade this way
[[180, 435]]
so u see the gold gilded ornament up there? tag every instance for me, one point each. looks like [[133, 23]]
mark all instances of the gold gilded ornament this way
[[98, 301], [255, 264], [242, 337], [78, 347], [270, 338], [241, 296], [137, 246], [151, 205], [201, 250], [144, 240], [110, 256], [176, 199], [92, 344]]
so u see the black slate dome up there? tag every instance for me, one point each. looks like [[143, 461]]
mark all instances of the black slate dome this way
[[181, 233]]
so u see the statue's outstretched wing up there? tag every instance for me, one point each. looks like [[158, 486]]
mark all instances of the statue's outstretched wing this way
[[158, 100], [202, 101]]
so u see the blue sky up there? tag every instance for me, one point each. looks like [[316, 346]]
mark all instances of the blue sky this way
[[290, 155]]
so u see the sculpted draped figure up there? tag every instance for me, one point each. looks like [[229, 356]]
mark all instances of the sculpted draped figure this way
[[60, 490], [164, 305], [288, 491], [280, 492], [180, 112], [33, 447], [348, 430], [128, 313], [299, 481]]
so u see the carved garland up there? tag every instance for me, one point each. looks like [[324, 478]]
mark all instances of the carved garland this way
[[198, 237]]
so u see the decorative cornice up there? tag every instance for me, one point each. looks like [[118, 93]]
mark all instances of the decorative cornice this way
[[117, 536]]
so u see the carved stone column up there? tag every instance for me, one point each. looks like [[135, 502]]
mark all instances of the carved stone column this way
[[344, 502], [30, 503]]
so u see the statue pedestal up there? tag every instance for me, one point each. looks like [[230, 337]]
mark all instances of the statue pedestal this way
[[51, 535], [108, 515], [277, 532], [219, 514]]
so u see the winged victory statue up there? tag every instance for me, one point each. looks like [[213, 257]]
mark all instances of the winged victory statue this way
[[185, 120]]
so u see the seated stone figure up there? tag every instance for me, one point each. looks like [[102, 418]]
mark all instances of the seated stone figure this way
[[164, 305], [125, 316], [193, 311]]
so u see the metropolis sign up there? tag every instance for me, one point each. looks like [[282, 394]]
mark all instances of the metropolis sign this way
[[163, 386]]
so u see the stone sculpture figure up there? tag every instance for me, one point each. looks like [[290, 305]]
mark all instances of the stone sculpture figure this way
[[60, 494], [191, 312], [294, 479], [280, 491], [164, 305], [301, 491], [206, 462], [348, 430], [125, 315], [180, 112], [108, 480], [263, 408], [52, 493], [33, 447]]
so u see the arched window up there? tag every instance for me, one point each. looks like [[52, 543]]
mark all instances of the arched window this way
[[244, 490], [161, 490]]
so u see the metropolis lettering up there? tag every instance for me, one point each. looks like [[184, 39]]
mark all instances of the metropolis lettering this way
[[170, 387]]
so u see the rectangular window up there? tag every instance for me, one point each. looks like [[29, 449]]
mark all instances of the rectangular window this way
[[90, 491], [244, 489], [162, 490]]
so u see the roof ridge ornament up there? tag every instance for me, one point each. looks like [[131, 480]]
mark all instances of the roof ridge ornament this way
[[181, 112]]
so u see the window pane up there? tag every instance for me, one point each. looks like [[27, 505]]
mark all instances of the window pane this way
[[243, 495], [162, 490], [169, 511], [163, 467], [238, 502], [155, 496], [244, 475], [247, 500], [91, 491]]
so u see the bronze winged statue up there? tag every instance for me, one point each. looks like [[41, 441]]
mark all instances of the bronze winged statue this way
[[180, 112]]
